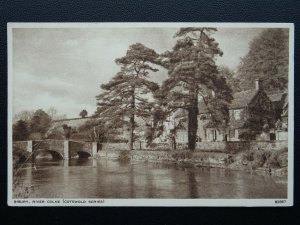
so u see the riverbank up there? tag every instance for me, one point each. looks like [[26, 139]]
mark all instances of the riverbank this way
[[266, 162]]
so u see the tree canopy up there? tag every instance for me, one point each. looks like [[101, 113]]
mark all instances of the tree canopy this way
[[83, 113], [267, 59], [128, 94], [231, 78], [20, 131], [24, 115], [40, 122]]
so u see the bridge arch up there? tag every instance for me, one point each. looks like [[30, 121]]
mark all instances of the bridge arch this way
[[83, 154], [56, 155]]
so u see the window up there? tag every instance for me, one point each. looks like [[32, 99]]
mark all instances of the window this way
[[236, 133], [214, 135], [237, 114], [272, 136]]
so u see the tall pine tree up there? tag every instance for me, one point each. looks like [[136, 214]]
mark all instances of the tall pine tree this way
[[192, 73], [127, 95]]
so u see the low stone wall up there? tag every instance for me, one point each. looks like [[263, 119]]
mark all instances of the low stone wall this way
[[113, 146], [111, 154], [237, 146], [269, 145], [156, 146], [219, 146], [151, 155], [210, 159], [211, 146]]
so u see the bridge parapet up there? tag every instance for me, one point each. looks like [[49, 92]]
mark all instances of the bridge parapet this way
[[48, 144]]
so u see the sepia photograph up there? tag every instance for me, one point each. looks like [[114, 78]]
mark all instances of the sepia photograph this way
[[150, 114]]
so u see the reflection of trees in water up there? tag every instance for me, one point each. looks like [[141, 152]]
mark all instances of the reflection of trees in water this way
[[131, 182], [192, 183], [22, 183], [150, 189]]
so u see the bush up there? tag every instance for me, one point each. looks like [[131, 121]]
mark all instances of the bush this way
[[282, 159], [229, 160], [267, 158], [278, 159], [124, 156], [248, 155]]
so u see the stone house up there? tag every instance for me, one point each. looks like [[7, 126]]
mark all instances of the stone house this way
[[176, 120], [280, 102], [243, 105], [240, 109]]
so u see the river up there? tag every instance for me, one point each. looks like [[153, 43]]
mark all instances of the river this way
[[100, 178]]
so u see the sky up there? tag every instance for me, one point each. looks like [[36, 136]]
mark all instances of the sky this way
[[64, 67]]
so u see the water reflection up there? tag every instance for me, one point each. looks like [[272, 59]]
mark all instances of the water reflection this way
[[192, 184], [91, 178]]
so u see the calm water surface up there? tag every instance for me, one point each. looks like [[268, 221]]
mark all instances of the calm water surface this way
[[91, 178]]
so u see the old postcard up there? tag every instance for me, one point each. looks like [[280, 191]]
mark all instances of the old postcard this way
[[150, 114]]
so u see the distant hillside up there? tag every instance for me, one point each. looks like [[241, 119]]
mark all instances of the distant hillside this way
[[72, 122]]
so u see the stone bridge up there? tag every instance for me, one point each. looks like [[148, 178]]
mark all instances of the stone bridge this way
[[59, 149]]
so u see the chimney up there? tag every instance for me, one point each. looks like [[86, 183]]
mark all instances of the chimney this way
[[258, 84], [213, 93]]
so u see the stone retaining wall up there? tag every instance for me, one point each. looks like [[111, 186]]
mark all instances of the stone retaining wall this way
[[209, 146], [237, 146], [113, 146], [218, 146], [181, 156], [269, 145]]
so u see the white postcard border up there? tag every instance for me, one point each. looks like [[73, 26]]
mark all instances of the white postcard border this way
[[152, 202]]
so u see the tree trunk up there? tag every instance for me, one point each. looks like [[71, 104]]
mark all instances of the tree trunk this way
[[192, 128], [193, 120], [131, 121], [131, 134]]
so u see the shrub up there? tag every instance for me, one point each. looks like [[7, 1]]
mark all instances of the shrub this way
[[248, 155], [124, 156], [282, 159], [268, 158], [229, 160]]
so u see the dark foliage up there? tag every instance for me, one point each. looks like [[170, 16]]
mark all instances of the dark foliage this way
[[20, 131], [267, 59], [126, 96]]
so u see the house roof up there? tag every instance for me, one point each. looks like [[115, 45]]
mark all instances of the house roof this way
[[241, 99], [275, 97], [180, 113]]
